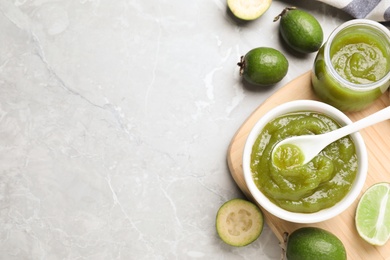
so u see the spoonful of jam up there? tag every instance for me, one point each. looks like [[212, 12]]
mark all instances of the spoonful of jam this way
[[304, 148]]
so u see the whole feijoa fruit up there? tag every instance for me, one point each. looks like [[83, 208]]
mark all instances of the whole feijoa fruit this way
[[248, 10], [300, 30], [310, 243], [263, 66]]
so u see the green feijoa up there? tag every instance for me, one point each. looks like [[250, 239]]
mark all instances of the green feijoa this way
[[310, 243], [263, 66], [300, 30]]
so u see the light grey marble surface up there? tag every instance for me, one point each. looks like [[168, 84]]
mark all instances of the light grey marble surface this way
[[115, 119]]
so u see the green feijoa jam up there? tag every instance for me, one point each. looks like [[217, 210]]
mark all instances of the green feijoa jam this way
[[263, 66], [300, 30], [288, 156], [310, 187], [360, 57]]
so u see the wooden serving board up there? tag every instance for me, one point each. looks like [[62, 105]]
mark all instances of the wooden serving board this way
[[377, 139]]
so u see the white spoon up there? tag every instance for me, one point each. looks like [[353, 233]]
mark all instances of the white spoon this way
[[311, 145]]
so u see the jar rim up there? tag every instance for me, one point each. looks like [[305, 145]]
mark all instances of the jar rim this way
[[356, 22]]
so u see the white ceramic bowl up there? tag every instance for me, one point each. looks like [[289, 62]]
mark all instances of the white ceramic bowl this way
[[322, 215]]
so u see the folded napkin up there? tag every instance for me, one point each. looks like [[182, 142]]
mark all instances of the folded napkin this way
[[376, 10]]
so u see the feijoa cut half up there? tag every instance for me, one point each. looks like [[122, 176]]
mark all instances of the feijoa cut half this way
[[300, 30], [263, 66], [248, 9], [239, 222]]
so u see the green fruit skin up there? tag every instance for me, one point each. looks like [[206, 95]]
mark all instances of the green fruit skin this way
[[265, 66], [250, 238], [301, 31], [311, 243]]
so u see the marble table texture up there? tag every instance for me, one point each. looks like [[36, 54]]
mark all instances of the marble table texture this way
[[115, 119]]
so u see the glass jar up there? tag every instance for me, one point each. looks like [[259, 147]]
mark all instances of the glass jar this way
[[352, 69]]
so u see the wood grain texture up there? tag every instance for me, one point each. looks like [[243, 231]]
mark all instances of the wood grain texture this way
[[377, 139]]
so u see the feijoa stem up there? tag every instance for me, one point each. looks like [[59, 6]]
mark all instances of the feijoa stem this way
[[285, 10], [241, 64]]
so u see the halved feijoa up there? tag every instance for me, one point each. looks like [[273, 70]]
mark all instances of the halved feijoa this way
[[239, 222], [248, 9]]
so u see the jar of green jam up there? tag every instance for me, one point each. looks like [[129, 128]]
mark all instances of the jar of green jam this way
[[352, 69]]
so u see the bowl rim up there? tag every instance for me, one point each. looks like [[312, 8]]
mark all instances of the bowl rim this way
[[324, 214]]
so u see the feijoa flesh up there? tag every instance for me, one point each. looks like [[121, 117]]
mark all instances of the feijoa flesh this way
[[309, 243], [263, 66], [300, 30], [239, 222], [248, 9]]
